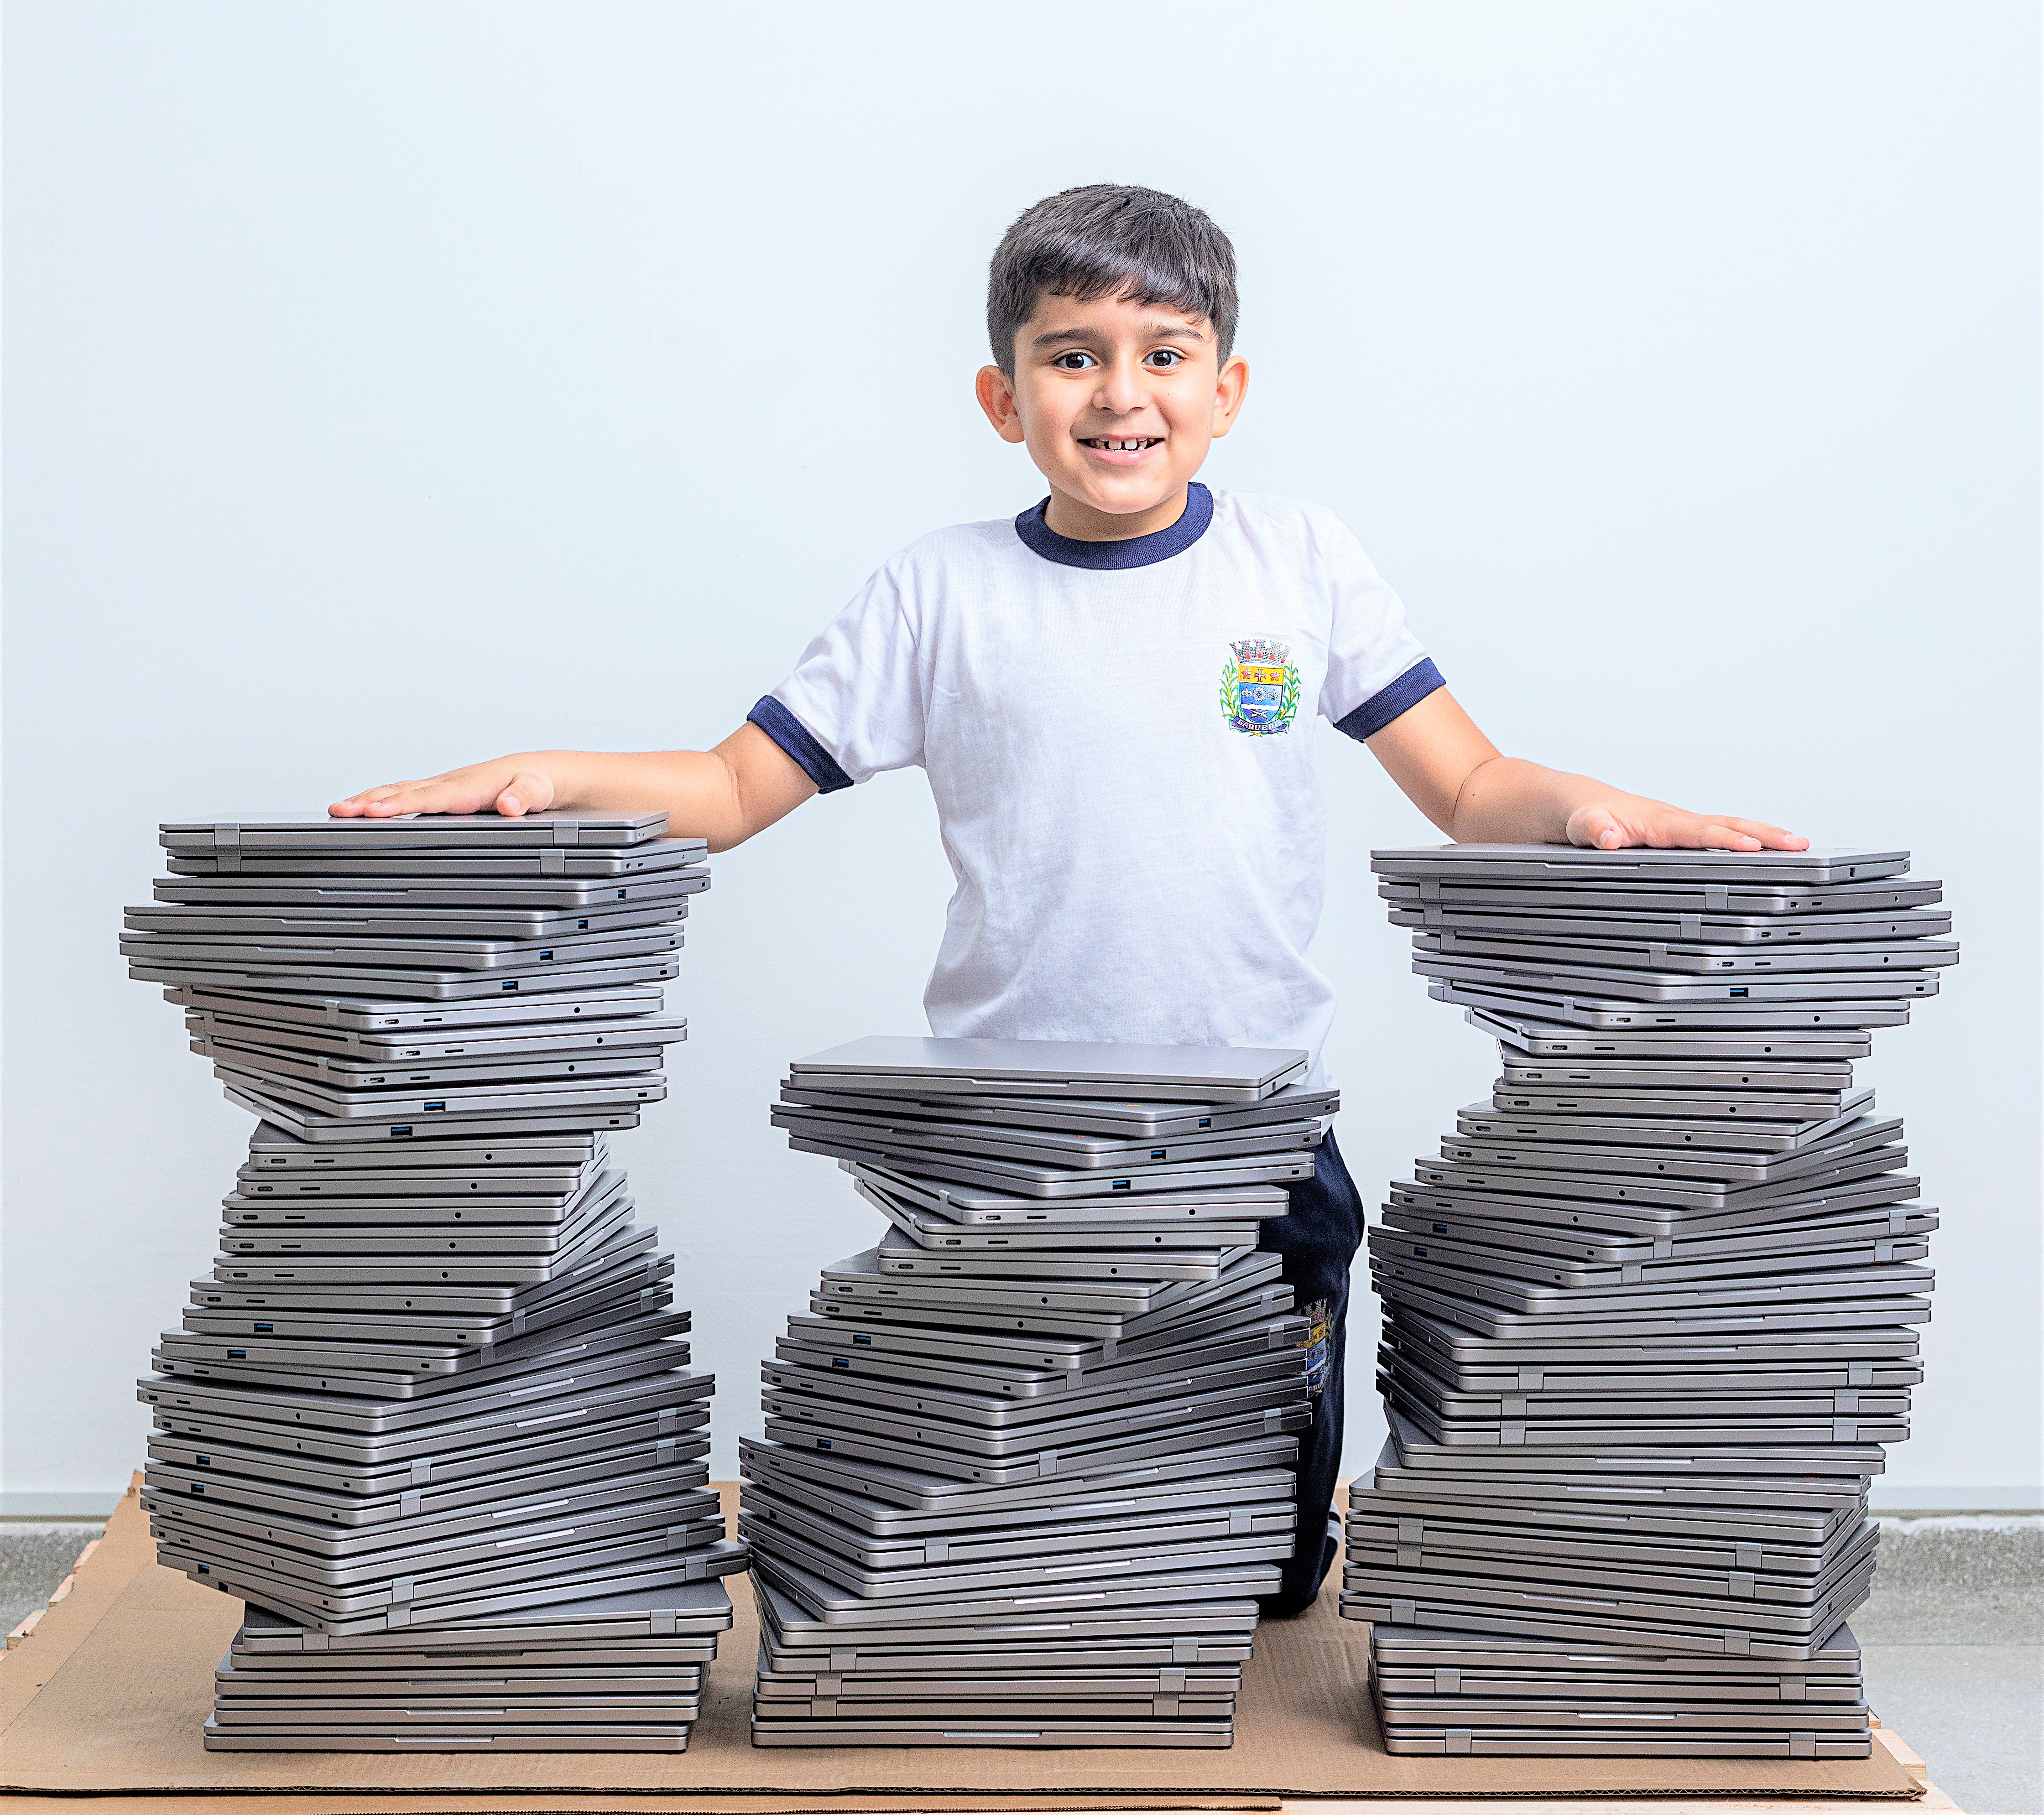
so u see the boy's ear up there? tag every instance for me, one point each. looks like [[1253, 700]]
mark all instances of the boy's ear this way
[[1229, 388], [996, 391]]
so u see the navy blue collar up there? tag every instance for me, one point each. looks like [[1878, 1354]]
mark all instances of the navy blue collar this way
[[1137, 551]]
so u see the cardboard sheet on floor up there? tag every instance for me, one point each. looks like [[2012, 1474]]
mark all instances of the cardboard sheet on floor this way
[[109, 1696]]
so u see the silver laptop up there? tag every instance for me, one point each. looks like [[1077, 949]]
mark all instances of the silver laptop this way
[[1075, 1067], [537, 894], [1574, 863], [414, 832]]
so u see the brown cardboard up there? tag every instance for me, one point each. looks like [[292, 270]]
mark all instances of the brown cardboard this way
[[108, 1698], [638, 1802], [419, 1802], [1935, 1802]]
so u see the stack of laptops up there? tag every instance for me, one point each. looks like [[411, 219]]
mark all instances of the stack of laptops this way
[[430, 1414], [621, 1672], [1027, 1461], [1652, 1312]]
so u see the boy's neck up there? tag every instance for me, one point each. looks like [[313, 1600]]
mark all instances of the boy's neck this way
[[1067, 517]]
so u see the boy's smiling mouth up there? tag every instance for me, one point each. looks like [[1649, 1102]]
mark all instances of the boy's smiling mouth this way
[[1120, 450]]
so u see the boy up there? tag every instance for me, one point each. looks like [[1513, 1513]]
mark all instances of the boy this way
[[1105, 694]]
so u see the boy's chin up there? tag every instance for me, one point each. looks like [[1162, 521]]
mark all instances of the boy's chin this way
[[1129, 494]]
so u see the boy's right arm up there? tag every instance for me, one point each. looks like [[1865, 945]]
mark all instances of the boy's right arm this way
[[724, 795]]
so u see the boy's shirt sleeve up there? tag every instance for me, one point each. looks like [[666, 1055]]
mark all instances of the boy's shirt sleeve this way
[[853, 705], [1375, 668]]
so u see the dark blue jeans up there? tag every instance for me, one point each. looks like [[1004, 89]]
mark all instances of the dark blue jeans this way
[[1319, 1241]]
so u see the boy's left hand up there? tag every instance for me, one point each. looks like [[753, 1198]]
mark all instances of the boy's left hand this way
[[1618, 820], [1453, 774]]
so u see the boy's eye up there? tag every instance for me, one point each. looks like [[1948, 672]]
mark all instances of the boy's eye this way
[[1164, 358], [1073, 361]]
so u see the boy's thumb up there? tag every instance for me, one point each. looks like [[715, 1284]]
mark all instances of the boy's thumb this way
[[526, 792], [1594, 826]]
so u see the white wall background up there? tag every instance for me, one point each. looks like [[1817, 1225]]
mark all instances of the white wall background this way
[[391, 384]]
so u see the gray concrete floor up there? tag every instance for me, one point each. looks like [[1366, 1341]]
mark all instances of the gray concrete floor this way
[[1954, 1639], [34, 1559], [1975, 1713]]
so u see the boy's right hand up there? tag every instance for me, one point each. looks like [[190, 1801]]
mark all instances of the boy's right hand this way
[[500, 786], [723, 796]]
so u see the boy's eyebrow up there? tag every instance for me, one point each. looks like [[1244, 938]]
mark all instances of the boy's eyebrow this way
[[1051, 336]]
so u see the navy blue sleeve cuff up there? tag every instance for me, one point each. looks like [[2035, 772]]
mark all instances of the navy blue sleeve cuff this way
[[1387, 703], [793, 735]]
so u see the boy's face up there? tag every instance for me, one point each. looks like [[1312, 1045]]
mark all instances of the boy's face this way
[[1117, 402]]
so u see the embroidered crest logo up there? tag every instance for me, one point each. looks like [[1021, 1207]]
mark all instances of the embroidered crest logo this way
[[1259, 686]]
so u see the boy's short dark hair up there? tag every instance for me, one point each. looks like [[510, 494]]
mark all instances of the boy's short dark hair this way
[[1110, 239]]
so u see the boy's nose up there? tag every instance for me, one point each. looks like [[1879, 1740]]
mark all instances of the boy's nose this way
[[1119, 390]]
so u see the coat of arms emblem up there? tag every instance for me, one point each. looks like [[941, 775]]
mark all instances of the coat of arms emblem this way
[[1259, 686]]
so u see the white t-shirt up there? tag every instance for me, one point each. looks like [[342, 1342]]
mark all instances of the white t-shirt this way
[[1115, 734]]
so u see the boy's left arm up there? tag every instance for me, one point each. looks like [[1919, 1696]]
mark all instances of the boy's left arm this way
[[1453, 774]]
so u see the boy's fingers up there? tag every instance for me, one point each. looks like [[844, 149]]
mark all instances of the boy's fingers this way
[[1717, 835], [1668, 828], [467, 795], [1726, 833], [476, 790], [1771, 838], [360, 806], [397, 798]]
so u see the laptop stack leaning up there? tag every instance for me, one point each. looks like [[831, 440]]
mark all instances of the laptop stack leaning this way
[[430, 1415], [1652, 1313], [1027, 1461]]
